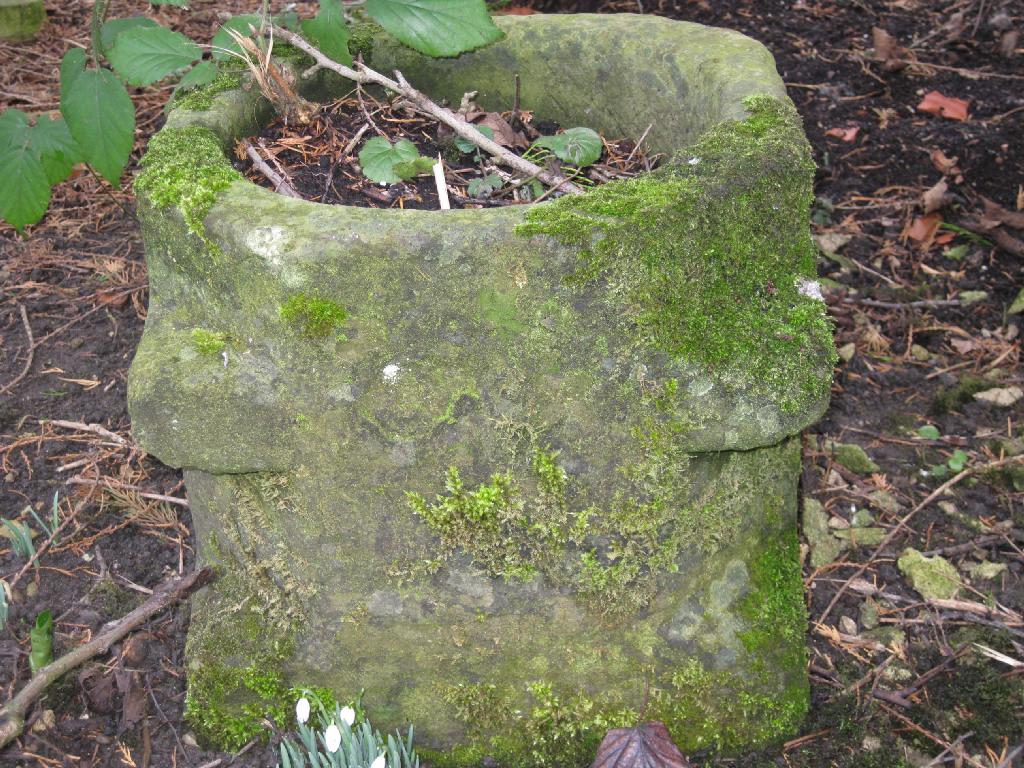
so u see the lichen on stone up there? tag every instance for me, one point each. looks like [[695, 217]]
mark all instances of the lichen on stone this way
[[185, 168], [705, 255]]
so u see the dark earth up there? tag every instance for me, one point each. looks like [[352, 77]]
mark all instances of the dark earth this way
[[896, 680]]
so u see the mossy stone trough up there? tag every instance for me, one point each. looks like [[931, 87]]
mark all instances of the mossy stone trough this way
[[523, 473], [20, 20]]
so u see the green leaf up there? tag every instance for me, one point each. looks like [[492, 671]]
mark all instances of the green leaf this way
[[436, 27], [466, 146], [25, 192], [957, 461], [71, 66], [114, 27], [929, 432], [41, 637], [203, 73], [101, 117], [579, 146], [21, 538], [146, 54], [223, 42], [1018, 304], [484, 187], [378, 158], [329, 32], [410, 168], [57, 150]]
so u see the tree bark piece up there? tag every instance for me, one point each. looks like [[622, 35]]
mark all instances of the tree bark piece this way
[[12, 714]]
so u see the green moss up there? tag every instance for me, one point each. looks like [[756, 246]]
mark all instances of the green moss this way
[[200, 99], [185, 168], [963, 392], [361, 37], [555, 732], [515, 526], [704, 255], [317, 317], [208, 342]]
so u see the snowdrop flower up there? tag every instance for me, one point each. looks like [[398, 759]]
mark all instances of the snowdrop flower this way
[[302, 710], [378, 763], [693, 161], [348, 715], [332, 738]]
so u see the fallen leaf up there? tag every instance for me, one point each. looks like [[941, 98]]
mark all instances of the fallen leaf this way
[[99, 689], [935, 198], [922, 230], [934, 103], [646, 746], [888, 50], [1001, 396], [1008, 43], [133, 702], [832, 242], [504, 133], [846, 134], [963, 346], [947, 166]]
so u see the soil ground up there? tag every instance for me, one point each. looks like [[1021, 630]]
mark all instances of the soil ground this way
[[918, 285]]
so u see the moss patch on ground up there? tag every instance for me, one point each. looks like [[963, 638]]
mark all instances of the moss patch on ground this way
[[706, 255]]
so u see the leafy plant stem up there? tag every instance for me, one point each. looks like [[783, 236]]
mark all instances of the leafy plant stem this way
[[99, 16], [364, 74], [107, 192]]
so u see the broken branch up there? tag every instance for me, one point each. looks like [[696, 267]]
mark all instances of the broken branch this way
[[363, 74], [12, 714]]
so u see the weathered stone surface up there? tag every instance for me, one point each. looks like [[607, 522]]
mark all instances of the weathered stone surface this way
[[488, 464], [21, 20]]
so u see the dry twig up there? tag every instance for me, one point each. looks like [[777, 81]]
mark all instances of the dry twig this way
[[12, 714], [363, 74]]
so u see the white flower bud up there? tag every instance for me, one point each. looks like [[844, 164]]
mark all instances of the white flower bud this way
[[378, 763], [348, 715], [332, 738], [302, 710]]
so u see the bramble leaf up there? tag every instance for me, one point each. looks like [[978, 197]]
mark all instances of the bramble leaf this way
[[71, 66], [244, 23], [203, 73], [146, 54], [579, 146], [114, 27], [25, 193], [100, 114], [436, 27], [378, 158], [57, 150], [329, 32]]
